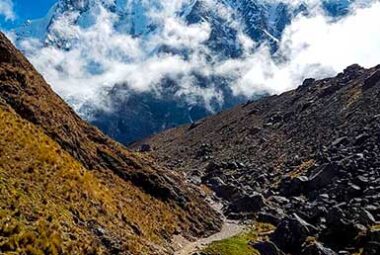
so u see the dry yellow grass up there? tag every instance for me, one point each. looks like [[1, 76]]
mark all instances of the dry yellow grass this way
[[302, 169], [51, 204], [353, 95]]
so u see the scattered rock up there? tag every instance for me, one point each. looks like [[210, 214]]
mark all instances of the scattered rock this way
[[194, 125], [227, 192], [203, 151], [360, 139], [145, 148], [267, 248], [366, 218], [314, 152], [340, 141], [308, 82], [374, 235], [247, 203], [293, 186], [291, 233], [317, 249], [340, 230], [372, 80], [272, 216], [372, 248], [325, 175]]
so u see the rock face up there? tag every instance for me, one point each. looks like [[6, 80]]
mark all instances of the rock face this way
[[313, 152], [125, 180]]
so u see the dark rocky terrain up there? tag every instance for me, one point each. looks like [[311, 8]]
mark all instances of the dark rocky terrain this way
[[66, 188], [306, 161]]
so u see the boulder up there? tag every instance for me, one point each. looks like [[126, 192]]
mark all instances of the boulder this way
[[267, 248], [353, 70], [340, 141], [217, 185], [360, 139], [366, 218], [293, 186], [340, 229], [203, 151], [215, 182], [272, 217], [194, 125], [374, 235], [373, 80], [247, 203], [317, 249], [308, 82], [291, 233], [325, 175], [372, 248], [145, 148], [212, 166], [279, 200], [362, 181], [227, 192]]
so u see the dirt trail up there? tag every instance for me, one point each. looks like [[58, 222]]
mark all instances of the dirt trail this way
[[229, 229]]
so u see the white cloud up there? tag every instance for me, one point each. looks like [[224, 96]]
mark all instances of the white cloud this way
[[6, 9], [97, 57], [315, 46]]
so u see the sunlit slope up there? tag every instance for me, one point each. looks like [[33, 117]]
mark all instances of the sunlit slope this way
[[51, 204], [92, 191]]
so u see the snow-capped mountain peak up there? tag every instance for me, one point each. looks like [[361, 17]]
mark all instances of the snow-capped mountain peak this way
[[186, 57]]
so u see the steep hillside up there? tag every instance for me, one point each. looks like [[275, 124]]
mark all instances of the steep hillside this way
[[68, 189], [307, 161]]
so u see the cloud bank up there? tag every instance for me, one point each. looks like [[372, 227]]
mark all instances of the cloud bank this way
[[6, 9], [94, 58], [314, 46]]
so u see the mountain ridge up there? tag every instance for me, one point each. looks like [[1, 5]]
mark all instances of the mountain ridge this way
[[263, 22]]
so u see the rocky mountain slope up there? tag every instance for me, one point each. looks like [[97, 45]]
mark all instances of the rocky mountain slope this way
[[66, 188], [262, 21], [306, 161]]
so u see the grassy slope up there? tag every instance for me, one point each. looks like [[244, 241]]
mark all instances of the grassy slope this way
[[25, 91], [50, 204], [239, 245]]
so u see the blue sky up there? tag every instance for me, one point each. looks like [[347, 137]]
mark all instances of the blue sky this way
[[24, 10]]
